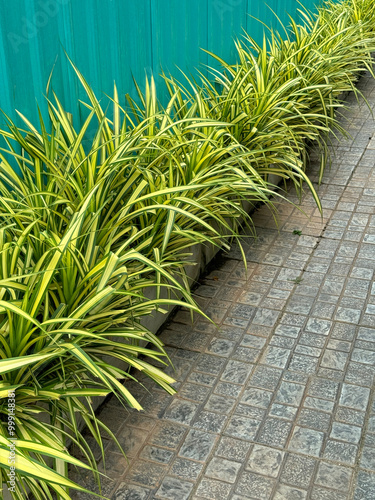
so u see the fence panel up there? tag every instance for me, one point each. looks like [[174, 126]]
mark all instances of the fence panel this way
[[116, 40]]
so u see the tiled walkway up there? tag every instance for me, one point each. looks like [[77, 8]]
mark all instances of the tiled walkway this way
[[277, 403]]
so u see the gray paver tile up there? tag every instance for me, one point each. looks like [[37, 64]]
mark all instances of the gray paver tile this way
[[320, 493], [222, 469], [232, 449], [285, 492], [334, 476], [290, 393], [340, 452], [354, 396], [314, 419], [197, 445], [213, 489], [181, 411], [242, 427], [306, 441], [254, 486], [298, 470], [132, 492], [365, 488], [274, 432], [320, 326], [368, 458], [172, 488], [346, 432], [210, 421], [264, 460], [184, 468]]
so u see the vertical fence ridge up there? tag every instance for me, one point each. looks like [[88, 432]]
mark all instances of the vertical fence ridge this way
[[114, 39]]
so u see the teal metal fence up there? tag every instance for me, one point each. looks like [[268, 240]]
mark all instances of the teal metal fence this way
[[115, 39]]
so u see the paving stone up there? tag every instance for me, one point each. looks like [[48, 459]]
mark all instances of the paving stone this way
[[209, 421], [221, 347], [303, 364], [343, 331], [323, 388], [213, 489], [242, 427], [181, 411], [131, 440], [173, 488], [156, 454], [345, 432], [194, 392], [168, 434], [197, 445], [222, 469], [132, 492], [250, 411], [186, 468], [285, 492], [350, 416], [245, 354], [363, 356], [340, 452], [306, 441], [236, 372], [314, 419], [311, 339], [226, 389], [334, 359], [146, 473], [254, 486], [274, 432], [264, 460], [347, 314], [357, 373], [208, 363], [219, 404], [283, 411], [320, 493], [232, 449], [257, 397], [354, 396], [365, 488], [265, 377], [287, 331], [290, 393], [368, 458], [334, 476], [298, 470]]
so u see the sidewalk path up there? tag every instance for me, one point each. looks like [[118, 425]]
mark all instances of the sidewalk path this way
[[278, 402]]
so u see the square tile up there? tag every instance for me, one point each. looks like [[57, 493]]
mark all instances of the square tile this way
[[298, 470], [274, 432], [306, 441], [340, 452], [222, 469], [264, 460], [254, 486], [334, 476], [197, 445], [346, 432], [173, 487]]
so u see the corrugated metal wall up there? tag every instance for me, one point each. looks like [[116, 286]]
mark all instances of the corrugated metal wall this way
[[115, 39]]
